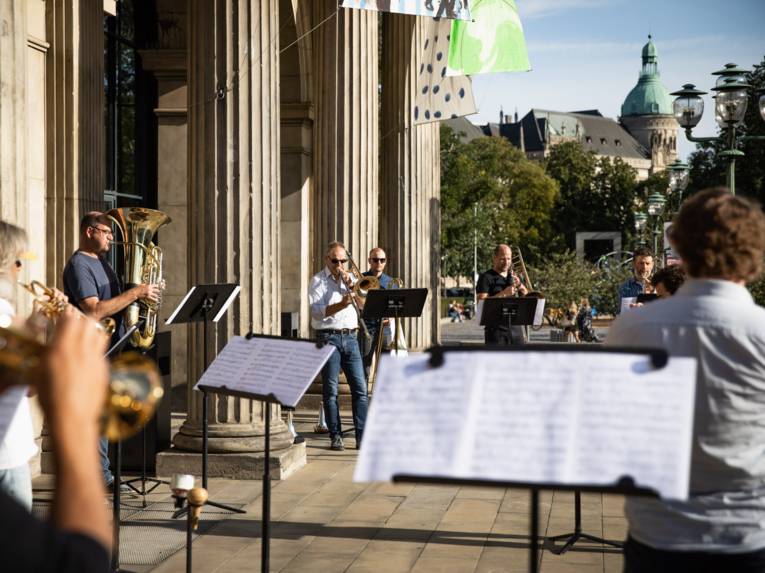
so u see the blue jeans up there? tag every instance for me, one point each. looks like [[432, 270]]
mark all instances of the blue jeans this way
[[347, 357], [103, 453], [17, 482]]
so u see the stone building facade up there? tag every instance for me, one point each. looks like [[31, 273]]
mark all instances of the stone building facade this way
[[259, 126]]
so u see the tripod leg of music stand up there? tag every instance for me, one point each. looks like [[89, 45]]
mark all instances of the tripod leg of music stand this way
[[534, 532], [577, 534], [264, 546], [116, 508]]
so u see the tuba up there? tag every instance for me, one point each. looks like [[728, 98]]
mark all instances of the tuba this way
[[143, 265]]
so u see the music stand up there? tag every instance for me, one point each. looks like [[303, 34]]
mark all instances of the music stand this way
[[514, 311], [205, 303], [288, 396], [394, 303]]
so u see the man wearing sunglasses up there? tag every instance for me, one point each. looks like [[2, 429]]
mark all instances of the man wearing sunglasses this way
[[93, 287], [337, 323], [377, 261]]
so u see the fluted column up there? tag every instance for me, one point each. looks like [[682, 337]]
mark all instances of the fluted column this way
[[75, 117], [13, 126], [233, 199], [346, 165], [410, 182]]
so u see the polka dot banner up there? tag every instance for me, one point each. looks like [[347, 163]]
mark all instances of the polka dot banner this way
[[440, 96], [452, 9]]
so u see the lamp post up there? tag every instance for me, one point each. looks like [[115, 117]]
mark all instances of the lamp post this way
[[656, 203], [731, 101], [640, 222], [678, 180]]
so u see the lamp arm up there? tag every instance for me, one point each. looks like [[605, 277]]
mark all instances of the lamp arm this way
[[752, 138], [690, 137]]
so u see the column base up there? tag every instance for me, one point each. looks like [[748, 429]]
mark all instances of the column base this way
[[242, 465]]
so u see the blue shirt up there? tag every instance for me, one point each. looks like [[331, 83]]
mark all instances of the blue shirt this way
[[629, 289], [374, 324], [718, 323]]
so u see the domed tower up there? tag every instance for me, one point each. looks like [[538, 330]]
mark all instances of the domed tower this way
[[647, 113]]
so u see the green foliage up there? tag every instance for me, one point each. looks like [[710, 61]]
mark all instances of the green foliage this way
[[596, 194], [489, 188], [757, 288]]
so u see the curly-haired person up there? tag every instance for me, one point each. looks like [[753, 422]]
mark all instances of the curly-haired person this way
[[713, 318]]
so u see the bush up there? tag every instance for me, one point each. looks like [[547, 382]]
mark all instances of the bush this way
[[757, 288]]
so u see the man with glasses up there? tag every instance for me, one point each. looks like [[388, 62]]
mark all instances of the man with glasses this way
[[501, 282], [92, 286], [377, 261], [337, 323]]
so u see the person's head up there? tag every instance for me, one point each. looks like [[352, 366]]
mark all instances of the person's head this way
[[95, 233], [642, 263], [502, 258], [13, 244], [377, 260], [336, 257], [720, 236], [666, 281]]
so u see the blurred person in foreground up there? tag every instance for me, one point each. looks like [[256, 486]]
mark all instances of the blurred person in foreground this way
[[72, 383], [667, 280], [713, 318]]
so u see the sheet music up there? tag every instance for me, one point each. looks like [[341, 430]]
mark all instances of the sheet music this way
[[10, 400], [534, 417], [262, 366], [539, 312]]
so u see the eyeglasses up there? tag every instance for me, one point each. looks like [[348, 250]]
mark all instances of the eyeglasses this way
[[377, 259], [104, 231], [340, 261]]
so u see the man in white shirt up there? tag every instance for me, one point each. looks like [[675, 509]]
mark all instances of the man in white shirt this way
[[713, 318], [336, 322]]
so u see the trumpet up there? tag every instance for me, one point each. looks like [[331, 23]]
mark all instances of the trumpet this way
[[45, 303], [135, 388]]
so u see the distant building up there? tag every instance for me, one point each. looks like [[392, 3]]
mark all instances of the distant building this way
[[645, 137]]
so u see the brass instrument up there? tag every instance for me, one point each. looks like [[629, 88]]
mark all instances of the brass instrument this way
[[143, 265], [397, 335], [134, 391], [360, 288], [521, 266], [46, 304]]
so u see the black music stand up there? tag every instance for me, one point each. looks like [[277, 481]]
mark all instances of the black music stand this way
[[268, 398], [513, 311], [394, 303], [625, 485], [205, 303]]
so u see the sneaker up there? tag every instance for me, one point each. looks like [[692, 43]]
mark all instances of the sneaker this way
[[124, 489], [337, 444]]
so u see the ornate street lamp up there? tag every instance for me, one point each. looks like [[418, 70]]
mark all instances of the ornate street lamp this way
[[655, 206], [731, 101], [641, 219], [678, 179]]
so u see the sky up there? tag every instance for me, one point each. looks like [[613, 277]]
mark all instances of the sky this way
[[585, 54]]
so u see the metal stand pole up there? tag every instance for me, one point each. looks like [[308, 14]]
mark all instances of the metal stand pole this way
[[572, 538], [266, 494], [116, 507], [534, 532], [189, 527]]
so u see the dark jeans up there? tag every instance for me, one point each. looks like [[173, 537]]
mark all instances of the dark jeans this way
[[348, 358], [501, 336], [103, 453], [639, 558]]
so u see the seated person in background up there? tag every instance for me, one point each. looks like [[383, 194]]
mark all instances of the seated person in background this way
[[713, 318], [72, 389], [667, 280], [454, 312], [642, 266], [584, 327], [569, 322]]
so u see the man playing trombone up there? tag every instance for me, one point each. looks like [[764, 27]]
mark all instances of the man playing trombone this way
[[335, 317], [500, 281], [377, 261]]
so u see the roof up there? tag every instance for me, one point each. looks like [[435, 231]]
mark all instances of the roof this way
[[601, 135], [649, 96], [465, 130]]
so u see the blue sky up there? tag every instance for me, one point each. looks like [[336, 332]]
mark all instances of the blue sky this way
[[586, 53]]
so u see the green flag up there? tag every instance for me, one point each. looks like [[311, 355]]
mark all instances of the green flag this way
[[493, 42]]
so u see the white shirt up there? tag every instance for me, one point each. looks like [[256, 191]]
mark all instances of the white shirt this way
[[718, 323], [18, 445], [324, 291]]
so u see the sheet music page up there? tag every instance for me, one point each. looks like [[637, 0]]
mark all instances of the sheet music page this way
[[416, 418], [539, 312], [10, 400], [534, 417], [282, 367]]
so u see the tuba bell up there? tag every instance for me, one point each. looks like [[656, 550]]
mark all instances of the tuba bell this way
[[143, 265]]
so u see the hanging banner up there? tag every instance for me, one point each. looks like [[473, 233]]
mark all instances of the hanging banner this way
[[492, 42], [440, 96], [452, 9]]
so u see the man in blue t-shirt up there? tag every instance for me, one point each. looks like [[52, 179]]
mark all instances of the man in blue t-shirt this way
[[642, 265], [93, 287]]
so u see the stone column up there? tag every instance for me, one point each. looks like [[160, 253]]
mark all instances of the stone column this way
[[346, 165], [233, 203], [13, 126], [410, 188], [75, 116]]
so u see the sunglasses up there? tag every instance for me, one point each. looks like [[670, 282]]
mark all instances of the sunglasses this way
[[340, 261], [377, 260]]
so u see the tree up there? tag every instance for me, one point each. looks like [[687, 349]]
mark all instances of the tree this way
[[596, 194], [491, 188]]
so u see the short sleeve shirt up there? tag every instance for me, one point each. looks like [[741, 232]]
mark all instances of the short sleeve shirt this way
[[492, 283], [86, 276]]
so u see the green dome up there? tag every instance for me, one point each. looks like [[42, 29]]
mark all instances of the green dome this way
[[649, 96]]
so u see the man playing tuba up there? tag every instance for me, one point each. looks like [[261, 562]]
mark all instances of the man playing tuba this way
[[93, 287]]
